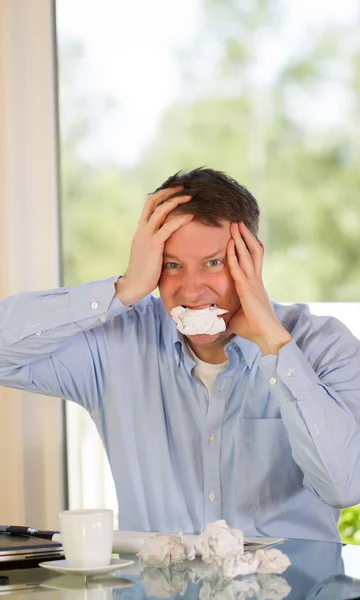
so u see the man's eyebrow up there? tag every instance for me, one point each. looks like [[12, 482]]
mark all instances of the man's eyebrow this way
[[212, 255]]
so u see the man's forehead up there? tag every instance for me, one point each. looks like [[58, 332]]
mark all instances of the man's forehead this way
[[196, 241]]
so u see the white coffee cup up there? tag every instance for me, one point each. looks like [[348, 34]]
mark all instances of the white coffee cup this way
[[87, 537]]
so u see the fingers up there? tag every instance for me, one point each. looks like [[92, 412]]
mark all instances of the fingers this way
[[171, 226], [247, 248], [154, 199], [253, 247], [242, 251], [236, 272], [161, 213]]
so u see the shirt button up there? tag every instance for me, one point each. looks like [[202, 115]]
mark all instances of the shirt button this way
[[212, 438], [94, 305], [212, 496], [38, 333], [289, 372], [102, 319], [272, 380]]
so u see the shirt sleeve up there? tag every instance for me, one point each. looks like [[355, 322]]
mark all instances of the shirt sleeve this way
[[47, 341], [319, 397]]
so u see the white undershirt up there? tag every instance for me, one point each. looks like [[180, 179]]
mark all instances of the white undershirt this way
[[206, 372]]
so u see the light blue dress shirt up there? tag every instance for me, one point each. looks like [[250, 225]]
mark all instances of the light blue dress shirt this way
[[275, 450]]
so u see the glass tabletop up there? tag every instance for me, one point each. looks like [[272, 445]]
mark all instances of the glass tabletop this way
[[319, 570]]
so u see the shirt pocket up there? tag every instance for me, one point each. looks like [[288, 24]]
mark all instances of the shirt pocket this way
[[264, 435], [266, 473]]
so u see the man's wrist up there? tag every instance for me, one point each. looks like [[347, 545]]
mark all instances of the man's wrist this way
[[273, 341], [124, 294]]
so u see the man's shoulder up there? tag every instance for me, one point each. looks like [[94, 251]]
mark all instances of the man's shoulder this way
[[149, 306], [146, 321], [302, 324]]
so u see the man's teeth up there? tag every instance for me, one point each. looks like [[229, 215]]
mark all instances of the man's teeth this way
[[201, 307]]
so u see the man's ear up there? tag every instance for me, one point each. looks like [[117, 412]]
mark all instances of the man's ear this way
[[262, 247]]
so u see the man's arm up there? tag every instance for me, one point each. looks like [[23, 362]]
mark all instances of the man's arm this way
[[47, 344], [319, 400], [48, 339]]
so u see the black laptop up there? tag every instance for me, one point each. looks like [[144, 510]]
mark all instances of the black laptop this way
[[26, 551]]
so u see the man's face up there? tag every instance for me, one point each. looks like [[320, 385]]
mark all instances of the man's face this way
[[195, 273]]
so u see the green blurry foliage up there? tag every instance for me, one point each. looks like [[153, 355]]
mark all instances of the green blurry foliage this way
[[349, 525]]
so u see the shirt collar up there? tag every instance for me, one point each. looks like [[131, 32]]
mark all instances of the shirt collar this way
[[248, 349], [172, 333], [179, 345]]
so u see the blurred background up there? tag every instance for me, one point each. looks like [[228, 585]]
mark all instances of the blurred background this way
[[266, 90]]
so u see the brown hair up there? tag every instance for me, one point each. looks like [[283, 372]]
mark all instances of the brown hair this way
[[215, 197]]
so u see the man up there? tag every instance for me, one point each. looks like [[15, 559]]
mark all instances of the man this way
[[257, 424]]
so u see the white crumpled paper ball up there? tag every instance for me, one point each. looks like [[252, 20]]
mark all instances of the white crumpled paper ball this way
[[163, 550], [224, 547], [204, 320], [219, 546]]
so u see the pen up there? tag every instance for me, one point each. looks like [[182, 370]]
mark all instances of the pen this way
[[20, 530]]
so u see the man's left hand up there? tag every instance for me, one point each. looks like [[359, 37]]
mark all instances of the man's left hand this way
[[255, 320]]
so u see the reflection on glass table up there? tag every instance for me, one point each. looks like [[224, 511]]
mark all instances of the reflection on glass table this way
[[318, 570]]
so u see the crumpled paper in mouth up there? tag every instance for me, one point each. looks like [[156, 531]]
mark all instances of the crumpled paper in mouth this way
[[221, 547], [204, 320]]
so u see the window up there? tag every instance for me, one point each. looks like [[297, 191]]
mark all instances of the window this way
[[265, 90]]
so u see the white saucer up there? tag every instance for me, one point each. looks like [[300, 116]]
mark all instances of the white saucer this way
[[75, 583], [60, 566]]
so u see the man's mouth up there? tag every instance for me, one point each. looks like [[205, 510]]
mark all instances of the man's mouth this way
[[200, 307]]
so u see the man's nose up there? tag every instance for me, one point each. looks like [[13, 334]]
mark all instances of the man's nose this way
[[193, 286]]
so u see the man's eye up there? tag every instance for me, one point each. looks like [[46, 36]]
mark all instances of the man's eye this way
[[214, 262], [171, 266]]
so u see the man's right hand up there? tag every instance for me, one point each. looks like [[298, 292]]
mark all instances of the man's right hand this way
[[147, 248]]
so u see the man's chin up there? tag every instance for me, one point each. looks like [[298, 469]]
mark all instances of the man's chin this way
[[205, 338]]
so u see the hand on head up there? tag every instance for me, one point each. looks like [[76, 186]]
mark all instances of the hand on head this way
[[256, 319], [146, 257]]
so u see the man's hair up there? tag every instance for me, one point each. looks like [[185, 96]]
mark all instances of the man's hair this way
[[215, 197]]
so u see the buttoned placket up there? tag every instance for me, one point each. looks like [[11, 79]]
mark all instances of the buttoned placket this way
[[212, 438]]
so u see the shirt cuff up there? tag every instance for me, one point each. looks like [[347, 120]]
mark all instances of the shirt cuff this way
[[95, 300], [289, 375]]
